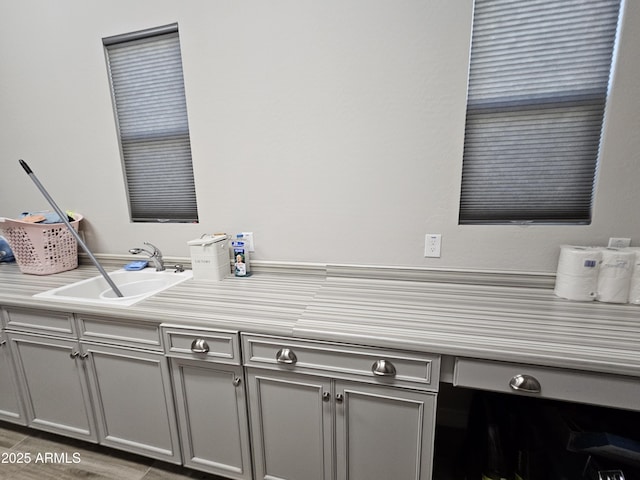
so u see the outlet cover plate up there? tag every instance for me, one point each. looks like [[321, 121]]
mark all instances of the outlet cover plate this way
[[432, 244], [619, 242]]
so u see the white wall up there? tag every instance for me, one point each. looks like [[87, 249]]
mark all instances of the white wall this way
[[331, 129]]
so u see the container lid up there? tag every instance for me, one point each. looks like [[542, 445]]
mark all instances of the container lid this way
[[207, 239]]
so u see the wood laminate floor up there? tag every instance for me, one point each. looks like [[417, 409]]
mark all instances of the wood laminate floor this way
[[52, 457]]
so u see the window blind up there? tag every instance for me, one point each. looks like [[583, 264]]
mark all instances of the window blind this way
[[145, 70], [538, 82]]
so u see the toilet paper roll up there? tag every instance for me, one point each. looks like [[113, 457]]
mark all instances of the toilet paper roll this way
[[614, 276], [634, 289], [577, 274]]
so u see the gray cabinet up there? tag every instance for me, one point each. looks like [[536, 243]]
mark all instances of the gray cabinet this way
[[130, 386], [51, 382], [54, 383], [291, 425], [381, 431], [77, 381], [133, 402], [10, 404], [210, 400], [322, 411]]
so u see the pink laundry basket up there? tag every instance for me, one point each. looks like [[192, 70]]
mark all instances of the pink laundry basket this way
[[42, 249]]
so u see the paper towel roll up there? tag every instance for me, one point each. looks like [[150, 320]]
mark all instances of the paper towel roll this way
[[577, 274], [634, 289], [579, 261], [614, 277]]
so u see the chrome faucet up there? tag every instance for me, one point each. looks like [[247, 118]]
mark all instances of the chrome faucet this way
[[155, 256]]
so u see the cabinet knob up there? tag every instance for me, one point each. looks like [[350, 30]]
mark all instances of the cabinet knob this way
[[525, 383], [326, 396], [84, 355], [3, 343], [383, 368], [286, 355], [339, 397], [237, 381], [199, 345], [74, 355]]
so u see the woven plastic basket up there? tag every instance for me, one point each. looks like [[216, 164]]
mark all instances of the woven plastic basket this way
[[42, 249]]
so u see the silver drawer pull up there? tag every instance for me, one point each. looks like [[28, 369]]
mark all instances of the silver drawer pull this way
[[199, 345], [286, 355], [525, 383], [383, 368]]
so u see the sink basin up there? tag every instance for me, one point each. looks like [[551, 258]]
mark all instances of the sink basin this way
[[134, 286]]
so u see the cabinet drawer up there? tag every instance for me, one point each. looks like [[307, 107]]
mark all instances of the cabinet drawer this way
[[40, 321], [120, 332], [383, 366], [546, 382], [210, 345]]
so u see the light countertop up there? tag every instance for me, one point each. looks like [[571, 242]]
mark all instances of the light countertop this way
[[506, 323]]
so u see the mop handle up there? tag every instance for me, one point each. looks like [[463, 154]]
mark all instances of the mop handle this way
[[73, 231]]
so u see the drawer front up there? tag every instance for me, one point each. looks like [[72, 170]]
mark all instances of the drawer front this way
[[545, 382], [203, 344], [391, 367], [40, 321], [131, 333]]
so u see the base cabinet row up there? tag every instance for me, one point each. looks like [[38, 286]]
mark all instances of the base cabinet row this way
[[188, 397]]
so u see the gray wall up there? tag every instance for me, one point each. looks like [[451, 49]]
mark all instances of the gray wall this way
[[331, 129]]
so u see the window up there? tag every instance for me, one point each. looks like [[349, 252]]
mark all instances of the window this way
[[538, 82], [147, 86]]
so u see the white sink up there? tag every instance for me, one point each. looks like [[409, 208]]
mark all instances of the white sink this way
[[134, 286]]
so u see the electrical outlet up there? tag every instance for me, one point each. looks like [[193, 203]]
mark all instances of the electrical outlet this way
[[619, 242], [248, 237], [432, 243]]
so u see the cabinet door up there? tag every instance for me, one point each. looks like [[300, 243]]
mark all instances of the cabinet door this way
[[211, 405], [291, 426], [131, 391], [10, 405], [54, 385], [383, 433]]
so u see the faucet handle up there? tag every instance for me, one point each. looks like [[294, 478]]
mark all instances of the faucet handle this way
[[156, 250], [151, 245]]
